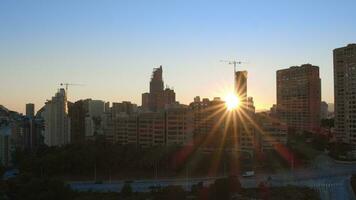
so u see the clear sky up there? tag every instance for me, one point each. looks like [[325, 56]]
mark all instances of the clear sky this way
[[112, 46]]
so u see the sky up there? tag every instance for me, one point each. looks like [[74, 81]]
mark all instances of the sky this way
[[112, 46]]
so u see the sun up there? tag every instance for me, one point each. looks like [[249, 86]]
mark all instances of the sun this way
[[232, 102]]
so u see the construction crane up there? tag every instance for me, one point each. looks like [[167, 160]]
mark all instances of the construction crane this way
[[233, 62], [70, 84]]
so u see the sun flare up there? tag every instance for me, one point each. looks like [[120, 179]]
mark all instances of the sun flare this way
[[232, 102]]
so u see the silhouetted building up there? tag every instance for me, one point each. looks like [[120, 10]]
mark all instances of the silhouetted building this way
[[273, 135], [57, 121], [30, 110], [250, 105], [158, 97], [208, 123], [146, 100], [324, 110], [77, 113], [6, 146], [299, 96], [241, 86], [31, 137], [345, 93], [273, 110], [124, 107]]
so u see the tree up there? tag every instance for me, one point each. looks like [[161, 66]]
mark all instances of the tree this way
[[126, 190]]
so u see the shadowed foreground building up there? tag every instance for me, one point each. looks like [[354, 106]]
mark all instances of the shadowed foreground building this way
[[299, 96], [345, 93]]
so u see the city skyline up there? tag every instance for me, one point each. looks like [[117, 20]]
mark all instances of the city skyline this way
[[114, 57]]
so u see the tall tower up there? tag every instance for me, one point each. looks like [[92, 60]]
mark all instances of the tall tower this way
[[156, 84], [30, 109], [345, 93], [157, 98], [241, 85], [57, 121]]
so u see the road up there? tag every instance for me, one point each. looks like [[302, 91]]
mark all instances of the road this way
[[330, 179]]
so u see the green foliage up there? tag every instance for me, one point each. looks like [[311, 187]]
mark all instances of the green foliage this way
[[327, 123], [224, 188], [32, 188], [171, 192], [339, 150], [126, 190], [307, 146], [282, 193], [81, 160], [353, 183]]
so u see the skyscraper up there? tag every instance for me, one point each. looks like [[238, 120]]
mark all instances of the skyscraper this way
[[158, 97], [57, 122], [345, 93], [77, 113], [30, 110], [156, 83], [241, 86], [299, 96]]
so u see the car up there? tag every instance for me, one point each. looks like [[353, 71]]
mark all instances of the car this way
[[248, 174]]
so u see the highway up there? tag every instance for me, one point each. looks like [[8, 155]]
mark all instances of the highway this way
[[329, 178]]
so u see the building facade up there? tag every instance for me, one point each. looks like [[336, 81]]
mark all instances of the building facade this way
[[57, 121], [299, 96], [158, 97], [241, 86], [30, 110], [324, 110], [345, 93]]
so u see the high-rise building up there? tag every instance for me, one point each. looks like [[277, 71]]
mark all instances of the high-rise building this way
[[30, 110], [5, 145], [146, 100], [299, 96], [77, 113], [241, 86], [208, 122], [158, 97], [345, 93], [156, 83], [31, 136], [57, 121]]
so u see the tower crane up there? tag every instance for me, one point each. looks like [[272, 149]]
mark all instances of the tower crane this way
[[233, 62], [70, 84]]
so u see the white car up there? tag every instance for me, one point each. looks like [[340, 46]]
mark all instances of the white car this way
[[248, 174]]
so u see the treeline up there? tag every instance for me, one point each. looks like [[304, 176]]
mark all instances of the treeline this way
[[31, 188], [100, 160]]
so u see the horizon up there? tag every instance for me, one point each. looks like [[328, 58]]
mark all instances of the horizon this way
[[113, 47]]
